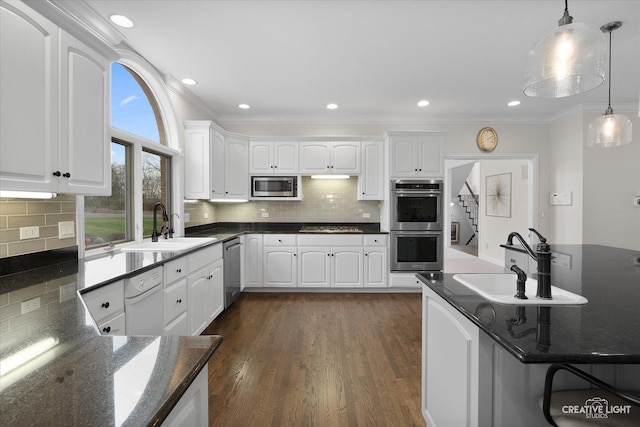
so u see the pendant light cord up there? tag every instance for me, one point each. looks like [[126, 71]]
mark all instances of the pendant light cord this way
[[610, 54]]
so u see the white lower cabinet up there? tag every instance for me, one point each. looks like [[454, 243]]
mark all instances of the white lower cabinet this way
[[346, 267], [193, 407], [205, 296], [322, 267], [279, 266], [376, 269], [106, 306], [253, 261]]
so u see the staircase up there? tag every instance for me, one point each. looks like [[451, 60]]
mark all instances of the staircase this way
[[469, 202]]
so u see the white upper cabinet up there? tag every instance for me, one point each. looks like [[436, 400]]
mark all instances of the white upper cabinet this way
[[273, 157], [415, 155], [55, 108], [371, 180], [330, 157], [216, 166]]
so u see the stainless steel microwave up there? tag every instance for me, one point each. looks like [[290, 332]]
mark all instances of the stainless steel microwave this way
[[274, 186]]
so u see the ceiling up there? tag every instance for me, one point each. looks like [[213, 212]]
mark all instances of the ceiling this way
[[375, 59]]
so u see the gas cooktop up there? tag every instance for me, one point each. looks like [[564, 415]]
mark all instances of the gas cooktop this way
[[330, 229]]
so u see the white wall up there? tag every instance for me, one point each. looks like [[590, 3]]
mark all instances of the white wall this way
[[565, 175], [611, 180]]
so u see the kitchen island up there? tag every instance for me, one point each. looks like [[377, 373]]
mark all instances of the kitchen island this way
[[494, 357]]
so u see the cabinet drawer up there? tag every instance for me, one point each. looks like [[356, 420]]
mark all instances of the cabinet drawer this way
[[115, 326], [279, 240], [330, 240], [175, 300], [175, 270], [177, 327], [205, 256], [105, 301], [375, 240]]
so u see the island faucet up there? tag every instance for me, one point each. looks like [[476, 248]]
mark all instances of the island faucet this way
[[155, 233], [542, 256]]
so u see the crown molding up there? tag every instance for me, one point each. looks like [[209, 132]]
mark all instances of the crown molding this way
[[178, 88]]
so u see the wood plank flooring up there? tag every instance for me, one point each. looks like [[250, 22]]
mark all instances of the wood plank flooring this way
[[316, 359]]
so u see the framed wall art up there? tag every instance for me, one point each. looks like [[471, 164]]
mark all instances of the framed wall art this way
[[455, 232], [498, 195]]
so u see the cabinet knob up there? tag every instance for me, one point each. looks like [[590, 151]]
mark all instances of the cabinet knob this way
[[179, 270], [107, 329], [271, 167], [415, 170], [105, 304], [366, 254], [375, 240], [295, 254], [179, 301], [226, 192], [420, 169], [57, 173], [331, 167], [66, 175], [279, 240], [276, 167]]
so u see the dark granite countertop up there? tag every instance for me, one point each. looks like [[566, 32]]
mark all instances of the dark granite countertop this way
[[56, 368], [605, 330]]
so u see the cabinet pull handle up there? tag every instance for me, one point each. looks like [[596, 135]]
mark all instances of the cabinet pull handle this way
[[107, 329], [105, 304], [57, 173], [66, 175]]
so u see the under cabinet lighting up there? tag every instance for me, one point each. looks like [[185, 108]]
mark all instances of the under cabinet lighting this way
[[27, 194], [332, 106], [229, 200], [189, 82], [513, 103], [423, 103], [244, 106], [330, 176]]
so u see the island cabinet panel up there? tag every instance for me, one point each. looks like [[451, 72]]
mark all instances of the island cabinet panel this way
[[253, 261], [193, 407]]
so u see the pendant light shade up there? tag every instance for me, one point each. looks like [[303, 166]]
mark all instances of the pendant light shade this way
[[609, 130], [567, 61]]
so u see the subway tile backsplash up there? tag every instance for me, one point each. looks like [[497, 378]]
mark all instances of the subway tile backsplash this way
[[322, 201], [45, 214]]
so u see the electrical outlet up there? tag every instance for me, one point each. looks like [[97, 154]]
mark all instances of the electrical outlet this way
[[29, 232], [206, 215], [187, 217], [265, 214], [30, 305], [67, 292], [366, 215]]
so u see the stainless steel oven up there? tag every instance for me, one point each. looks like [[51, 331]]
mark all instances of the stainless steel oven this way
[[416, 205], [416, 251]]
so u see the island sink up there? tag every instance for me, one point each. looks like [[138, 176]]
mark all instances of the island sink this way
[[501, 289], [177, 244]]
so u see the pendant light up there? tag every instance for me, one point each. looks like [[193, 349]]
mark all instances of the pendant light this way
[[609, 130], [567, 61]]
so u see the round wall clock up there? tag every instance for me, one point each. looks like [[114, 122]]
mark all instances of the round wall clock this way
[[487, 139]]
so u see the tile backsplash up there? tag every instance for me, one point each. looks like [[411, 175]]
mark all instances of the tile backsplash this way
[[322, 201], [44, 214]]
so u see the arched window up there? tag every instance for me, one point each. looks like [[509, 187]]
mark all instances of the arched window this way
[[140, 165]]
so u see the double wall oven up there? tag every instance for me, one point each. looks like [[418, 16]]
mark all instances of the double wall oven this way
[[416, 225]]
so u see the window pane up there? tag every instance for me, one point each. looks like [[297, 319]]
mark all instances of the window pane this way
[[104, 216], [131, 109], [155, 188]]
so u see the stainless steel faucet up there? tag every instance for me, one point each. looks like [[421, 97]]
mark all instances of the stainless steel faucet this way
[[542, 256], [165, 218]]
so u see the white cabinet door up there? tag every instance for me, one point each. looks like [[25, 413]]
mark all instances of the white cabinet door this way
[[253, 261], [217, 173], [280, 267], [178, 326], [315, 157], [197, 159], [403, 156], [216, 290], [345, 157], [431, 155], [85, 148], [346, 267], [314, 267], [29, 101], [236, 165], [193, 407], [376, 268], [261, 157], [285, 155], [371, 180]]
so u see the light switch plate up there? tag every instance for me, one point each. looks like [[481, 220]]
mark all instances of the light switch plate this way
[[66, 229], [561, 199]]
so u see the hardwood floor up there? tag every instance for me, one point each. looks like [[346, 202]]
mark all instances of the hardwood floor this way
[[312, 359]]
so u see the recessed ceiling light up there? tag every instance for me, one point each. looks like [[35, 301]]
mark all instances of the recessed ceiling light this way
[[189, 82], [513, 103], [121, 21], [332, 106], [423, 103], [244, 106]]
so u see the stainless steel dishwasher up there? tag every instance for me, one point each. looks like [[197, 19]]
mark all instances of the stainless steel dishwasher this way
[[231, 256]]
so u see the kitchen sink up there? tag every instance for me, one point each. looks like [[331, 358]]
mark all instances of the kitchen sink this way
[[501, 288], [177, 244]]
